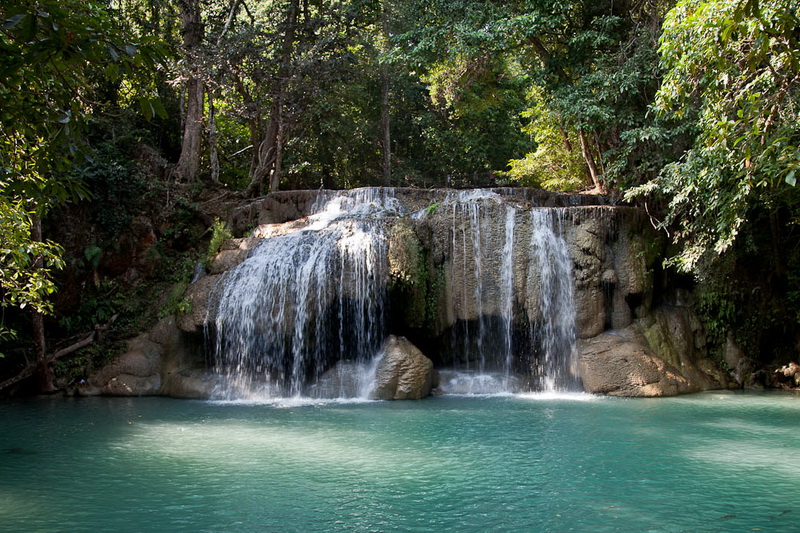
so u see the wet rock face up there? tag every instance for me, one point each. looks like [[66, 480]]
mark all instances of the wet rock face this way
[[164, 361], [660, 355], [137, 372], [619, 363], [613, 251], [488, 280], [468, 237], [341, 381], [345, 380], [199, 294], [483, 275]]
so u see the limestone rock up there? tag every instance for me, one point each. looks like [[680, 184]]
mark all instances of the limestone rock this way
[[199, 295], [740, 366], [164, 361], [233, 252], [674, 334], [195, 384], [620, 363], [660, 355], [590, 312], [134, 373], [786, 377], [403, 373], [275, 208]]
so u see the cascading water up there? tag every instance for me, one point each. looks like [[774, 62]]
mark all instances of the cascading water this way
[[492, 306], [303, 301], [316, 299], [554, 332], [480, 280], [507, 287]]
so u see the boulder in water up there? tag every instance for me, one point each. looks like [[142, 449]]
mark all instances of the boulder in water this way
[[619, 363], [135, 373], [403, 373], [787, 377], [163, 361]]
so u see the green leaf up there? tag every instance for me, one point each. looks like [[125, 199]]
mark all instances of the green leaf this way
[[790, 178], [111, 72], [158, 107], [13, 21], [147, 108]]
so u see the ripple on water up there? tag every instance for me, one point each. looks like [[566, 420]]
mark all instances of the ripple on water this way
[[521, 463]]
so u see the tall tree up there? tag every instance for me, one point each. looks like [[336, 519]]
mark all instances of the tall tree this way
[[561, 48], [733, 73], [269, 152], [386, 87], [193, 32], [53, 55]]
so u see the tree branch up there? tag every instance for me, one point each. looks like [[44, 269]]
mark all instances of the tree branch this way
[[86, 340]]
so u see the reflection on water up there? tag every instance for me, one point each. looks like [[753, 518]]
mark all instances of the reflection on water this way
[[708, 462]]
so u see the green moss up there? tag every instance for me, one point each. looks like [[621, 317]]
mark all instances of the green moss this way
[[435, 296], [431, 209], [657, 336], [408, 271]]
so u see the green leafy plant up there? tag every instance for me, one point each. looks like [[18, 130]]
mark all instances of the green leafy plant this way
[[431, 209], [93, 254], [177, 301], [219, 234], [96, 308]]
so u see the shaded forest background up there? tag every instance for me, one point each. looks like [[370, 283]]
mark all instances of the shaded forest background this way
[[127, 126]]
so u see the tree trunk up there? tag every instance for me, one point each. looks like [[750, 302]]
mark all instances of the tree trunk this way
[[275, 178], [586, 151], [193, 33], [565, 138], [254, 122], [270, 150], [33, 368], [212, 140], [45, 373], [266, 154], [386, 142]]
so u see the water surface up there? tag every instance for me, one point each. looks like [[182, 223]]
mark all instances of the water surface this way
[[707, 462]]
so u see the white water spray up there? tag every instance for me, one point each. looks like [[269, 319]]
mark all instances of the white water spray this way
[[305, 300], [316, 299]]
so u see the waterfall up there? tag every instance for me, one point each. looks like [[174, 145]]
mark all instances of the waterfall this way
[[314, 301], [303, 301], [554, 332], [507, 286], [472, 299], [491, 308]]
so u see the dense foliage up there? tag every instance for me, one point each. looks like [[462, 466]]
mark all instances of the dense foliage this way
[[733, 68], [690, 108]]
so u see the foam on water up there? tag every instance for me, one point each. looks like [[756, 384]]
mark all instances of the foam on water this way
[[305, 300]]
